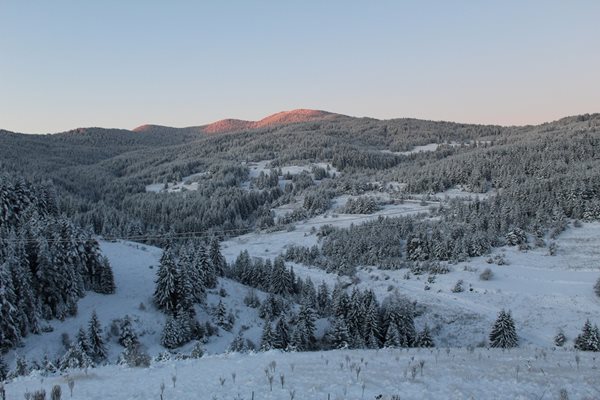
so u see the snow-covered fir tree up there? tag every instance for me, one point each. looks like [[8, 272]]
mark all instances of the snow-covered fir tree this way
[[166, 293], [266, 338], [504, 334], [589, 338], [3, 369], [98, 351], [424, 338], [216, 258], [281, 335]]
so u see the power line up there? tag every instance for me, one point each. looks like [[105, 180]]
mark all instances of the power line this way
[[204, 235]]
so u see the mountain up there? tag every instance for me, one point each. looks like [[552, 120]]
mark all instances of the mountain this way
[[278, 119], [236, 125]]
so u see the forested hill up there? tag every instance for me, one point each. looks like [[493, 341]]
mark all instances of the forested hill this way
[[102, 175]]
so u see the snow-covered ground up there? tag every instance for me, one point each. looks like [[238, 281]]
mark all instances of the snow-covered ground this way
[[340, 375], [274, 243], [543, 292], [263, 166], [187, 183], [135, 266]]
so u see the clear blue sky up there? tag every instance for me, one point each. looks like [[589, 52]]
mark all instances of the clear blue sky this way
[[122, 63]]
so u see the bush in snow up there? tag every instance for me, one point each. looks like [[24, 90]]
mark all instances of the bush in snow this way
[[251, 299], [560, 338], [197, 351], [458, 287], [504, 334], [135, 356], [56, 392], [486, 275]]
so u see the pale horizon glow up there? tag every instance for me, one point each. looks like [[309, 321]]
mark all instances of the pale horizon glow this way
[[66, 64]]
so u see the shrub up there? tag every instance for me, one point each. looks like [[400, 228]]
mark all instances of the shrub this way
[[486, 275], [458, 287]]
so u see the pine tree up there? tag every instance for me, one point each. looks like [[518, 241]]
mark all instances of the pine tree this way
[[597, 288], [10, 333], [81, 342], [206, 266], [106, 278], [266, 339], [340, 337], [197, 350], [166, 291], [97, 348], [304, 332], [281, 339], [75, 358], [589, 338], [371, 326], [48, 365], [323, 300], [3, 370], [27, 303], [504, 334], [220, 315], [237, 344], [21, 366], [195, 280], [280, 279], [424, 338], [392, 337], [172, 336], [217, 260], [127, 336]]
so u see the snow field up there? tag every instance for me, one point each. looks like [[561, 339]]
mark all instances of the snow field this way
[[342, 374]]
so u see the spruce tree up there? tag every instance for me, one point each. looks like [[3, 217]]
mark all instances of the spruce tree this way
[[97, 347], [424, 338], [193, 274], [81, 342], [237, 344], [207, 268], [340, 337], [173, 334], [323, 300], [504, 334], [266, 338], [197, 350], [166, 291], [106, 278], [220, 315], [10, 333], [216, 258], [281, 339], [3, 370], [127, 336], [392, 337], [589, 338], [597, 288]]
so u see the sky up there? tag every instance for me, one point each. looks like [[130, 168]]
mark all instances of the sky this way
[[122, 63]]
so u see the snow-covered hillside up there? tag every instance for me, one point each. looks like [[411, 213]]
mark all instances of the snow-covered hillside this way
[[545, 293], [340, 374]]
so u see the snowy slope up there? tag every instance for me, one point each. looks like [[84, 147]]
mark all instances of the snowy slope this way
[[457, 374], [543, 292]]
